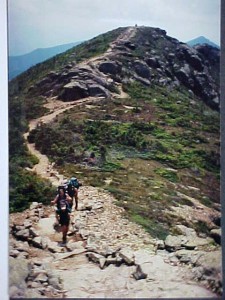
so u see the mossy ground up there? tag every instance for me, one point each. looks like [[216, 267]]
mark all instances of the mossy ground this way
[[149, 152]]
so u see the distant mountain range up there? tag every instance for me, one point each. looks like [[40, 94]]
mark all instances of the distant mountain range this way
[[20, 63], [201, 40]]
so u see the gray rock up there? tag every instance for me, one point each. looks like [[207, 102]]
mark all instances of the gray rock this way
[[142, 69], [96, 90], [116, 260], [23, 246], [95, 257], [54, 281], [22, 234], [74, 91], [34, 205], [102, 261], [23, 255], [209, 269], [27, 224], [109, 67], [139, 274], [142, 256], [142, 271], [18, 273], [160, 244], [41, 277], [97, 205], [14, 252], [173, 243], [18, 227], [193, 242], [188, 256], [216, 235], [37, 242], [53, 247], [153, 62], [75, 245], [127, 255]]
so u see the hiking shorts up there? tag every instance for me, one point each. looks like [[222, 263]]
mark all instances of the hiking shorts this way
[[64, 217]]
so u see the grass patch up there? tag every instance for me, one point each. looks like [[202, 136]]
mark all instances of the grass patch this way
[[169, 174]]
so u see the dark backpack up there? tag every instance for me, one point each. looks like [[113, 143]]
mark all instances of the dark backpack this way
[[72, 184]]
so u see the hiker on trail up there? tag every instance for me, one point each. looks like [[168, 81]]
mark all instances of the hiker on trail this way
[[72, 189], [63, 203]]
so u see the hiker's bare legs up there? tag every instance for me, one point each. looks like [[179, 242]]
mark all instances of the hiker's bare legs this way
[[76, 199], [64, 229]]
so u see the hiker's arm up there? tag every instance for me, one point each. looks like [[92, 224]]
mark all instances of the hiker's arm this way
[[55, 200], [68, 198]]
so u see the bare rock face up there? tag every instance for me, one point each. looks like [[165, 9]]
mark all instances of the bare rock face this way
[[74, 91], [110, 67], [149, 56]]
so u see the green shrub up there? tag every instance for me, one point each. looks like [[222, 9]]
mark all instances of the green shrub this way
[[168, 174]]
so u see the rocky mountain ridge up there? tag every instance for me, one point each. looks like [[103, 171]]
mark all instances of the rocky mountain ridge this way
[[101, 240], [142, 54]]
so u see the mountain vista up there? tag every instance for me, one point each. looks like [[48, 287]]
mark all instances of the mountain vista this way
[[134, 114], [20, 63]]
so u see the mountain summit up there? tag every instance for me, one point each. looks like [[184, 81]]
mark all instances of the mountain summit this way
[[200, 41], [143, 54]]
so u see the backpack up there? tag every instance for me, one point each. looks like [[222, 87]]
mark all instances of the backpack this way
[[74, 182], [71, 185]]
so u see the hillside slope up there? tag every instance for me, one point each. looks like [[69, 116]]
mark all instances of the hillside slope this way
[[134, 112]]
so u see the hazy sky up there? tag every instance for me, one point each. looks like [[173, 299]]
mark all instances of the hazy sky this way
[[44, 23]]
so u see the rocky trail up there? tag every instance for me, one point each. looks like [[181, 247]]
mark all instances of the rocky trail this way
[[106, 255]]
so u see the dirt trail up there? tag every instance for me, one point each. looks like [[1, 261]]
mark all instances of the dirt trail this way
[[56, 107], [82, 278]]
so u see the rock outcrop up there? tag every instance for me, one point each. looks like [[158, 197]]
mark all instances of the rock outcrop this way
[[143, 54]]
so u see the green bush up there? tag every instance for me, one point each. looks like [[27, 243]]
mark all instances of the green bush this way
[[168, 174]]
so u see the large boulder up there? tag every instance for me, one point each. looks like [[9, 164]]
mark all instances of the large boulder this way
[[142, 69], [173, 243], [153, 62], [96, 90], [109, 67], [209, 269], [74, 91], [18, 273]]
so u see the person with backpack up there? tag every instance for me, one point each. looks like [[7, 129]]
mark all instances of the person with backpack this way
[[72, 189], [63, 210]]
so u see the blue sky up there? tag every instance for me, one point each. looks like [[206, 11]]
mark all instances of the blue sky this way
[[36, 24]]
